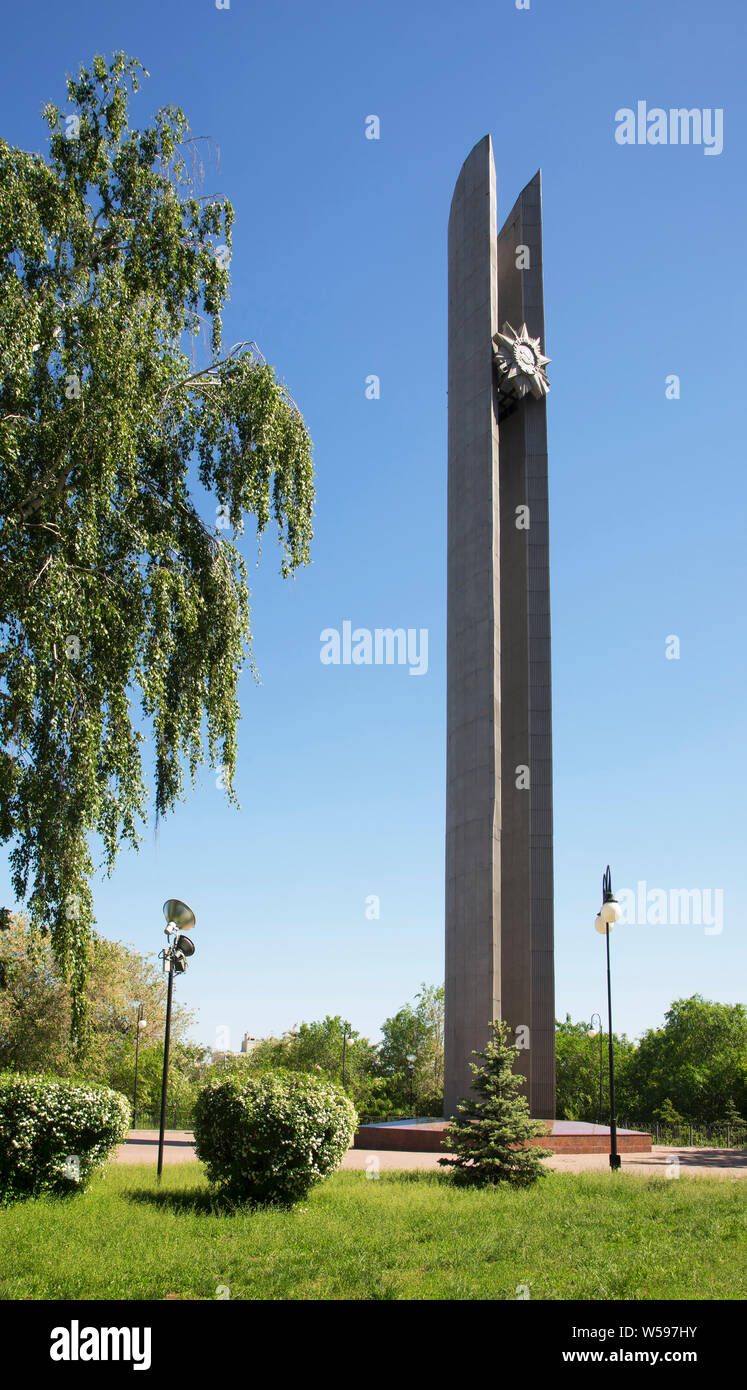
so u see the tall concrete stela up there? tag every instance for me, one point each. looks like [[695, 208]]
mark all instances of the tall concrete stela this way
[[499, 868]]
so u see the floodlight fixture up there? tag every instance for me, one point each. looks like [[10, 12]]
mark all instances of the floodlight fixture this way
[[179, 918], [177, 914]]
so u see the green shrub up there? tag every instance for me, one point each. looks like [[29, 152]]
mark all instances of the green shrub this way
[[54, 1135], [267, 1139]]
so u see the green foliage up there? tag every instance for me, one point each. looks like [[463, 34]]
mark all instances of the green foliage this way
[[114, 587], [692, 1069], [34, 1003], [322, 1045], [577, 1070], [317, 1049], [487, 1138], [408, 1236], [697, 1061], [267, 1140], [735, 1121], [35, 1013], [666, 1114], [55, 1135], [415, 1031], [377, 1079]]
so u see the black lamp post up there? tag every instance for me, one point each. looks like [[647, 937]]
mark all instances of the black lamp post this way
[[609, 914], [139, 1026], [175, 954], [593, 1033], [346, 1042], [411, 1060]]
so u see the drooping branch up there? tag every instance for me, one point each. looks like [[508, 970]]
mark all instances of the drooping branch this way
[[101, 536]]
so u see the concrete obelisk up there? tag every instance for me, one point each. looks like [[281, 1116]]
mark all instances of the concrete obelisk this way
[[499, 872]]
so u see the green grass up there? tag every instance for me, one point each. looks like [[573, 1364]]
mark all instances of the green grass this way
[[401, 1236]]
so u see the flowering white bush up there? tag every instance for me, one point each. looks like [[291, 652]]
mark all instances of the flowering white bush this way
[[54, 1135], [268, 1139]]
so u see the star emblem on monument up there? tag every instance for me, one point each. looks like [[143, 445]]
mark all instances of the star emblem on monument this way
[[520, 363]]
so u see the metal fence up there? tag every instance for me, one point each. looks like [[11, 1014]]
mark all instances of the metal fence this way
[[177, 1117], [683, 1135], [692, 1134]]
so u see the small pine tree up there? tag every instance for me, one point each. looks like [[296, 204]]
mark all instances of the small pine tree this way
[[487, 1137], [667, 1115], [734, 1120]]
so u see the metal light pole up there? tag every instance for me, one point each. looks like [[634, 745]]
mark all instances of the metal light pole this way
[[609, 914], [175, 954], [140, 1025], [411, 1060], [346, 1042], [593, 1034]]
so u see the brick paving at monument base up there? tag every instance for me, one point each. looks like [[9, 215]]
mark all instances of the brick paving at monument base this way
[[142, 1147], [562, 1136]]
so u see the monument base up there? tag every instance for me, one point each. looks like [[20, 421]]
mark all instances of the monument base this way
[[563, 1136]]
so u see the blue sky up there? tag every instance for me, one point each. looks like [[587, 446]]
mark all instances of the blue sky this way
[[339, 271]]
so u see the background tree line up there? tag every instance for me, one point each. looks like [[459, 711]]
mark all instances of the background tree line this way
[[693, 1068], [36, 1033]]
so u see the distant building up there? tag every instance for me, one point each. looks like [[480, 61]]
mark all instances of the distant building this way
[[248, 1043]]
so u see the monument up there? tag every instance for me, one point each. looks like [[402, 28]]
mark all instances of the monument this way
[[499, 862], [499, 868], [499, 858]]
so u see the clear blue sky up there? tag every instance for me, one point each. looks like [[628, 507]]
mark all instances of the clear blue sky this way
[[339, 271]]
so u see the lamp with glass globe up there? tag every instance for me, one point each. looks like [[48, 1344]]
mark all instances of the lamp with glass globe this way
[[598, 1033], [140, 1026], [411, 1060]]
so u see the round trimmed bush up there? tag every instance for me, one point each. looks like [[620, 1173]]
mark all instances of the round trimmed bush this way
[[54, 1135], [269, 1139]]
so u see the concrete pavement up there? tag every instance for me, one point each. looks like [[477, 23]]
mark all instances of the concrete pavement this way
[[663, 1161]]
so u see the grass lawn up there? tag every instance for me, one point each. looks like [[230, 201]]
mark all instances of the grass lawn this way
[[401, 1236]]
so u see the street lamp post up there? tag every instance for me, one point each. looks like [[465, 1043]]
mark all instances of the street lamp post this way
[[139, 1027], [178, 916], [609, 914], [593, 1032], [411, 1060], [347, 1041]]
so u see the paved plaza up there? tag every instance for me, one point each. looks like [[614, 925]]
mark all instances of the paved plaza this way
[[663, 1161]]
